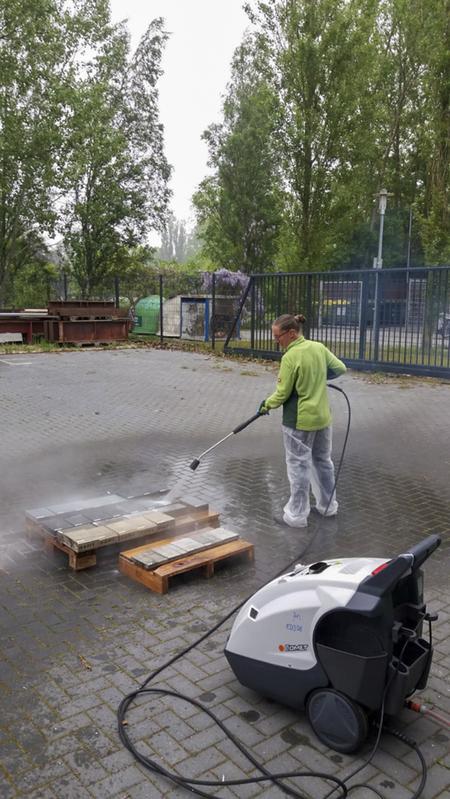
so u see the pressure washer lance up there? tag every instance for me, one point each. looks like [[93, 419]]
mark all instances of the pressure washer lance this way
[[196, 461]]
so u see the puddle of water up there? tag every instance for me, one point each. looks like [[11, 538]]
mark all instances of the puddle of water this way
[[291, 736], [250, 715]]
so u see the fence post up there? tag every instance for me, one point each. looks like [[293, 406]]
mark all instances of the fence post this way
[[279, 310], [252, 315], [213, 312], [117, 291], [363, 316], [308, 310], [376, 315], [239, 311], [161, 316]]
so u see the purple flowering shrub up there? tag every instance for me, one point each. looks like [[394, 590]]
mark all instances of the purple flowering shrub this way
[[227, 282], [233, 284]]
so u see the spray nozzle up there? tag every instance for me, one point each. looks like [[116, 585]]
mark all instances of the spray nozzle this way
[[196, 462]]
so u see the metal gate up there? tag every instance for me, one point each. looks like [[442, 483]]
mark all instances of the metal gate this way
[[395, 320]]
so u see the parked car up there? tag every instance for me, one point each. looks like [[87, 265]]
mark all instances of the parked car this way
[[443, 326]]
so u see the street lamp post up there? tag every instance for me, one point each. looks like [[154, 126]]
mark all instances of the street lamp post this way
[[382, 195], [382, 203]]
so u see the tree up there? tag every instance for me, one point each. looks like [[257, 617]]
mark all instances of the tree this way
[[174, 239], [412, 130], [138, 275], [34, 282], [398, 97], [40, 41], [364, 90], [238, 207], [117, 173], [320, 54], [434, 202], [333, 100]]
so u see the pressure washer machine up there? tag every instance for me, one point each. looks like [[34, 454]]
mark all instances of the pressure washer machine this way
[[341, 638]]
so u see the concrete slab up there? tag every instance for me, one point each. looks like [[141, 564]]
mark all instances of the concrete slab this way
[[85, 503], [82, 539]]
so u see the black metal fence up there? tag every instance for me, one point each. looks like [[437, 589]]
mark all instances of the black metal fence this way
[[195, 307], [393, 320]]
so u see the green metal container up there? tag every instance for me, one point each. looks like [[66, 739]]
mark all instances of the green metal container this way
[[147, 315]]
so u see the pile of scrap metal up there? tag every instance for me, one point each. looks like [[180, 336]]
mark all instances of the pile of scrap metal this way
[[17, 327], [66, 322]]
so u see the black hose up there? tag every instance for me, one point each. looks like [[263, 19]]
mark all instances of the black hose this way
[[344, 446], [366, 788], [412, 744], [275, 778], [126, 702], [188, 782], [379, 724]]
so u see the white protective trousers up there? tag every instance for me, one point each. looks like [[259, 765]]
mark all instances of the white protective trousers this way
[[309, 466]]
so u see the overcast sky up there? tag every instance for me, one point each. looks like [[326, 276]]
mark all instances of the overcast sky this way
[[196, 64]]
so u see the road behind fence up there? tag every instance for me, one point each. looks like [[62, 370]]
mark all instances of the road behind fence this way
[[393, 320]]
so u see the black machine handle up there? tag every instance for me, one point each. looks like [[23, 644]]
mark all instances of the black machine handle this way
[[385, 577], [423, 550], [243, 425]]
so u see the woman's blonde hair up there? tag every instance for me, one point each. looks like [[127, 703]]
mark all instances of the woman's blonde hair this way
[[289, 321]]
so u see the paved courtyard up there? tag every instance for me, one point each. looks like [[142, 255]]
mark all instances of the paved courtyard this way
[[73, 644]]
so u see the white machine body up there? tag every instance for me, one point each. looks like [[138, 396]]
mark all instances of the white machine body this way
[[277, 623]]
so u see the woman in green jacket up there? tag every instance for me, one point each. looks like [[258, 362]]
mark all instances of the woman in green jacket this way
[[302, 391]]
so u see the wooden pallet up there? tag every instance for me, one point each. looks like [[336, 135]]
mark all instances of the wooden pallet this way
[[158, 579], [77, 560], [111, 522]]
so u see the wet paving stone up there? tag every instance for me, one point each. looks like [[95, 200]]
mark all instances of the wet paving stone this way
[[249, 715], [80, 642]]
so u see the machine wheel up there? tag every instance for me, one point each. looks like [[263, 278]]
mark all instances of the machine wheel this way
[[338, 721]]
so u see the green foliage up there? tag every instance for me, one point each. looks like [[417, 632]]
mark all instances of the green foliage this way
[[330, 101], [81, 147], [200, 262], [33, 287], [320, 57], [433, 203], [37, 61], [177, 243], [138, 274], [238, 208], [116, 173]]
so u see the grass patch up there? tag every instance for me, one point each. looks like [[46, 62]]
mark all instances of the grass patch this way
[[401, 380]]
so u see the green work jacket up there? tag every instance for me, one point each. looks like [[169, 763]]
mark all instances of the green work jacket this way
[[302, 384]]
